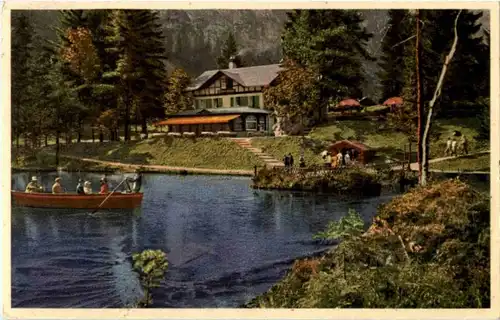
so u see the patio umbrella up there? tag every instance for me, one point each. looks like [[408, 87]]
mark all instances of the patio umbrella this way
[[393, 101], [349, 103]]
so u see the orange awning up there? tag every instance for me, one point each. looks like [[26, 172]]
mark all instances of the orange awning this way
[[198, 120]]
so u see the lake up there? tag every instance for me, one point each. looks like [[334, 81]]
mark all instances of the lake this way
[[225, 242]]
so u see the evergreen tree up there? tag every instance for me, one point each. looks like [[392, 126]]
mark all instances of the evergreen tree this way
[[135, 38], [332, 42], [464, 83], [393, 53], [230, 49], [22, 46]]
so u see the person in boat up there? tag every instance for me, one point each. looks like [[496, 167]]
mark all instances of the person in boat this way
[[87, 187], [79, 187], [56, 187], [34, 186], [104, 185], [136, 182]]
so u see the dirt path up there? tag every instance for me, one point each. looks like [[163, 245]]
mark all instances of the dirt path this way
[[414, 165], [166, 169]]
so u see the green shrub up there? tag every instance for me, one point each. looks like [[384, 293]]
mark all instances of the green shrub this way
[[151, 266]]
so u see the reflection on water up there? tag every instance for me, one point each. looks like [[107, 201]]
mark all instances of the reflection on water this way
[[225, 242]]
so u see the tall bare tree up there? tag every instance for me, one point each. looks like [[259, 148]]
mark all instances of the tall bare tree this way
[[437, 93]]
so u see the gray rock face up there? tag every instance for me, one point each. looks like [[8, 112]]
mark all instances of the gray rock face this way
[[194, 37]]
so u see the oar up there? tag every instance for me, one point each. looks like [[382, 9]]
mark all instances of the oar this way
[[109, 195]]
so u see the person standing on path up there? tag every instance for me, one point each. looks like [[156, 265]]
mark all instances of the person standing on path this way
[[454, 148], [286, 161], [465, 146], [447, 151], [290, 159]]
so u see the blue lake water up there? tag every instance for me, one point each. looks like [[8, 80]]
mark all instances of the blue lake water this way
[[225, 242]]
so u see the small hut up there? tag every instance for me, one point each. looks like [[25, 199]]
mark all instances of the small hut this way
[[364, 154]]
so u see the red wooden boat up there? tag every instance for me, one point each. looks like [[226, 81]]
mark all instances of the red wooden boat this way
[[75, 201]]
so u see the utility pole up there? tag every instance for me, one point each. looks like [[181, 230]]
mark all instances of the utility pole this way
[[420, 109]]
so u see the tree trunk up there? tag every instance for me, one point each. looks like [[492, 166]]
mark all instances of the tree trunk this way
[[144, 126], [101, 136], [93, 135], [437, 93], [420, 109], [126, 122], [57, 148], [46, 140]]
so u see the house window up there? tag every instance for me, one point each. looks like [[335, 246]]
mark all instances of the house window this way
[[223, 83], [262, 123], [229, 83], [255, 102], [208, 103], [232, 101], [197, 104], [251, 123], [238, 124], [217, 102], [242, 101]]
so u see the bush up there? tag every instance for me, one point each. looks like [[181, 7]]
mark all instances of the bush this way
[[151, 266], [428, 248]]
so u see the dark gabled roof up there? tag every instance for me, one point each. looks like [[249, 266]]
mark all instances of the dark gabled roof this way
[[247, 77], [354, 144], [220, 111]]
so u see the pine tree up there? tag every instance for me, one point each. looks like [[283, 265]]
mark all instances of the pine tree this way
[[230, 49], [135, 38], [22, 46], [394, 53], [332, 42], [470, 64]]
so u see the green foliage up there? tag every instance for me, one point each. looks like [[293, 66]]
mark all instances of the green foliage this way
[[295, 93], [393, 53], [468, 75], [349, 226], [176, 99], [484, 118], [230, 49], [136, 40], [351, 180], [151, 266], [331, 42], [428, 248]]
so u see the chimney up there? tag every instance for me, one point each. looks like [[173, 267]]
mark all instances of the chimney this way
[[232, 63]]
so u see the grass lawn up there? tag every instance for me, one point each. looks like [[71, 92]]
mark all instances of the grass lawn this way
[[212, 153], [390, 143], [471, 163], [277, 147]]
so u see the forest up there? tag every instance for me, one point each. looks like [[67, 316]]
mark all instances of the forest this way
[[109, 69]]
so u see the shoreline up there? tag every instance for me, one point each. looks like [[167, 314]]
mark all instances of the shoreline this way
[[130, 167]]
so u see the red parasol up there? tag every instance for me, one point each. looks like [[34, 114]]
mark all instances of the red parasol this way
[[349, 103], [393, 101]]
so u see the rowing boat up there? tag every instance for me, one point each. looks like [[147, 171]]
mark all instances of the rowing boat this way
[[76, 201]]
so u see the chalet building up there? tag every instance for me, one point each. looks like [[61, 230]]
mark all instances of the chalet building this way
[[227, 100]]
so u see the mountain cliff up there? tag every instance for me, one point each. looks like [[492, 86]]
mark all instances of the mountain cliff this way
[[194, 37]]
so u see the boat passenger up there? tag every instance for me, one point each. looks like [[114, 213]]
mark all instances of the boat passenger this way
[[137, 181], [104, 186], [34, 186], [79, 187], [87, 187], [57, 188]]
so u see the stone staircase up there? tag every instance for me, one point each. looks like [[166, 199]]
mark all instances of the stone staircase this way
[[267, 159]]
